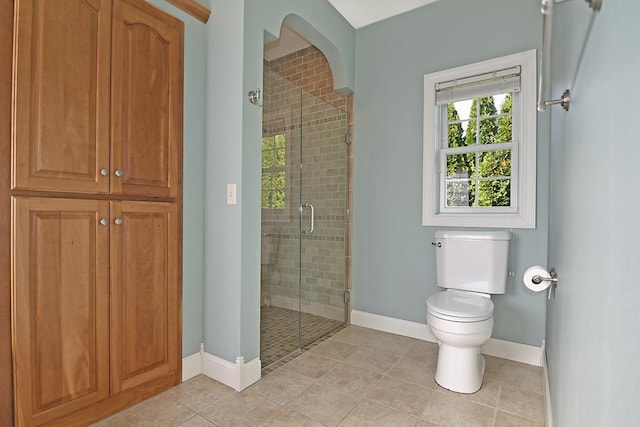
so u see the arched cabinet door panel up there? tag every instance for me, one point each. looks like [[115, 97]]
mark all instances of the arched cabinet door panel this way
[[146, 101]]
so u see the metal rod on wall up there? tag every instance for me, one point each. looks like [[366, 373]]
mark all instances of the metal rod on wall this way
[[545, 57]]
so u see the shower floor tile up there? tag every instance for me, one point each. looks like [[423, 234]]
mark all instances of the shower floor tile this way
[[280, 336]]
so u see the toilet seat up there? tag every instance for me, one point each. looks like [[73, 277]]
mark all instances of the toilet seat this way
[[459, 306]]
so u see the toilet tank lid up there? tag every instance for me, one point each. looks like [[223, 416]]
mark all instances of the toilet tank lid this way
[[474, 235]]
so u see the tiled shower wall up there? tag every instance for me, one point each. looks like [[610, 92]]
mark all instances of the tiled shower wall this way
[[321, 115]]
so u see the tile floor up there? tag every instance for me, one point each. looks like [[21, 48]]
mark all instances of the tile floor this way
[[358, 377], [281, 329]]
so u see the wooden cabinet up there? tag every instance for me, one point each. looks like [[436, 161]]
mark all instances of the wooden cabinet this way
[[97, 81], [146, 102], [144, 293], [61, 306], [96, 198], [80, 265]]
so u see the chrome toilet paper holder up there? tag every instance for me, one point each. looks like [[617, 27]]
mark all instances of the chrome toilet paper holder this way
[[553, 278], [537, 279]]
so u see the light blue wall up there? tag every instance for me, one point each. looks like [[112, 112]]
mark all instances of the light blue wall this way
[[393, 260], [235, 37], [193, 212], [593, 341]]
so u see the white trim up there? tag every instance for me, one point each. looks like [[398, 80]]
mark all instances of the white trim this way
[[237, 375], [523, 353], [547, 388], [526, 214], [192, 365]]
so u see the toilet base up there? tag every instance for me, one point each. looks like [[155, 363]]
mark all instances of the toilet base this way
[[460, 369]]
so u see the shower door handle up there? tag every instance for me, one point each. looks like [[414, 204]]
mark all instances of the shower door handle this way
[[310, 206]]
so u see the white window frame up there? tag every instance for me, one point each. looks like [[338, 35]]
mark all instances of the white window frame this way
[[523, 215]]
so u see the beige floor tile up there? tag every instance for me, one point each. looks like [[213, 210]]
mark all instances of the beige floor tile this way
[[521, 402], [199, 392], [522, 376], [310, 365], [489, 393], [493, 365], [371, 414], [456, 411], [423, 351], [336, 350], [400, 395], [323, 404], [288, 418], [280, 386], [423, 423], [355, 335], [197, 421], [240, 409], [396, 344], [156, 411], [415, 372], [375, 360], [504, 419], [349, 379]]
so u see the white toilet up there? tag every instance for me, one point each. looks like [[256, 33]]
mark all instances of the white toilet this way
[[470, 265]]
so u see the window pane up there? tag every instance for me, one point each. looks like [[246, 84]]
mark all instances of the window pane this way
[[495, 192], [277, 181], [266, 181], [455, 135], [459, 165], [267, 159], [277, 199], [268, 143], [495, 164], [280, 157], [460, 193], [279, 141], [265, 200], [488, 129]]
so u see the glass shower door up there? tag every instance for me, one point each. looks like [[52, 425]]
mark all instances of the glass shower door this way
[[323, 218], [304, 199]]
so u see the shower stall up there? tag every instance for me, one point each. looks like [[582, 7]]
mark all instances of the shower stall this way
[[304, 218]]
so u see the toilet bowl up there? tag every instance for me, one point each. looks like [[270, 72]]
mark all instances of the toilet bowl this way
[[462, 323], [470, 266]]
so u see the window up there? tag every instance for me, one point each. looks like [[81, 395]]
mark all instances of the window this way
[[273, 172], [480, 144]]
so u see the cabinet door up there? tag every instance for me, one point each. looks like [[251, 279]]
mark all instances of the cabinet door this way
[[147, 64], [61, 102], [146, 293], [61, 306]]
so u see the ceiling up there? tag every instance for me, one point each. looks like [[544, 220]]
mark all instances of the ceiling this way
[[359, 13]]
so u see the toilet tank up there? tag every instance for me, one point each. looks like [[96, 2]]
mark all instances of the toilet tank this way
[[475, 261]]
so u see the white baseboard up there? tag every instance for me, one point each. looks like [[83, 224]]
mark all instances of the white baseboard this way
[[523, 353], [237, 375], [547, 388], [191, 366]]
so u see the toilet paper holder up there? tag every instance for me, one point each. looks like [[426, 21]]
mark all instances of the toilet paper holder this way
[[537, 279]]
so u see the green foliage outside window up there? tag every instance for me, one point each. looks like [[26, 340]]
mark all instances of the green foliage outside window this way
[[480, 178], [273, 172]]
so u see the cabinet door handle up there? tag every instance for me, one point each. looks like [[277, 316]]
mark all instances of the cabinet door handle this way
[[118, 172], [104, 221], [104, 172], [117, 221]]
